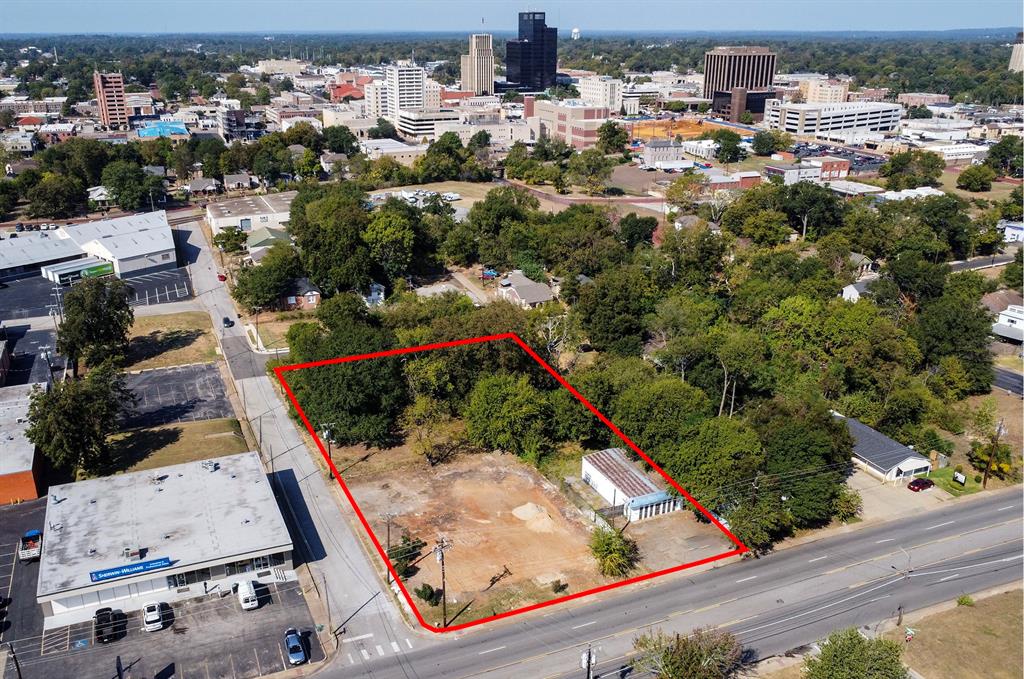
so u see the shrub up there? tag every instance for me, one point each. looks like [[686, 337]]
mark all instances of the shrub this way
[[558, 586], [964, 600], [847, 504], [977, 478], [616, 554], [427, 593]]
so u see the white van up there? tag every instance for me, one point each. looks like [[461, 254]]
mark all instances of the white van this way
[[247, 595]]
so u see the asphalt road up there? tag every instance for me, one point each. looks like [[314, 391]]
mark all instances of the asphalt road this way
[[1009, 380], [775, 603]]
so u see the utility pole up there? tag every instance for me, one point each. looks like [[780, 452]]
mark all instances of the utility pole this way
[[257, 310], [388, 518], [14, 657], [588, 659], [443, 545]]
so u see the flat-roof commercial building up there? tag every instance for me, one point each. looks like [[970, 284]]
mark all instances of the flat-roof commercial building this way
[[19, 459], [109, 89], [618, 480], [573, 121], [909, 99], [820, 119], [272, 210], [738, 79], [165, 534], [422, 124], [403, 153], [602, 91]]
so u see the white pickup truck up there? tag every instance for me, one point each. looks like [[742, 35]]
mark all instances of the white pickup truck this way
[[31, 545]]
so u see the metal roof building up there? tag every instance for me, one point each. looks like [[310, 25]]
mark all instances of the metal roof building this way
[[621, 483], [162, 534], [882, 456]]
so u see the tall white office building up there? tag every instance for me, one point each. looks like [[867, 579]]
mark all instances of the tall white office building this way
[[406, 89], [478, 65]]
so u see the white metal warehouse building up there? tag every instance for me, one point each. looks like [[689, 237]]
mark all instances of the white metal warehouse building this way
[[618, 480], [165, 534]]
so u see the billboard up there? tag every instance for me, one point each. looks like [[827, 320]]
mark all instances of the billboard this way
[[104, 269]]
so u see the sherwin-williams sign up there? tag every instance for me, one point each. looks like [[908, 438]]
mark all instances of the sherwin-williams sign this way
[[130, 569], [104, 269]]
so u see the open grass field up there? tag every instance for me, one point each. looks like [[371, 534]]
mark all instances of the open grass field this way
[[1000, 190], [982, 641], [173, 339], [176, 443]]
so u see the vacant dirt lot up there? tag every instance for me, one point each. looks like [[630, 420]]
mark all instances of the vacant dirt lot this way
[[497, 512]]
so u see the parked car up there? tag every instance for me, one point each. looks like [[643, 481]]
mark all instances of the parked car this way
[[247, 598], [19, 227], [227, 322], [109, 625], [221, 277], [917, 485], [293, 645], [152, 617]]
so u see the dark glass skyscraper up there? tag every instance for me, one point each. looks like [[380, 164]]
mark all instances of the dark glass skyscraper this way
[[531, 59]]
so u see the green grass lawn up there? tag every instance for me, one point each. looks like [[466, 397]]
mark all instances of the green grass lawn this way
[[943, 478], [176, 443]]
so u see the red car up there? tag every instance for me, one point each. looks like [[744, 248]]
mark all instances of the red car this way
[[917, 485], [221, 277]]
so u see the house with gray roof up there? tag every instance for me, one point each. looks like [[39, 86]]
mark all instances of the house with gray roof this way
[[515, 287], [880, 455]]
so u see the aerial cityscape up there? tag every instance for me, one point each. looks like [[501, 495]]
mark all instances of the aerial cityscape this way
[[412, 339]]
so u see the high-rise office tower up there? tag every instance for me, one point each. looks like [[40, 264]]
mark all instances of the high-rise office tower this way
[[738, 79], [532, 59], [110, 98], [478, 65], [1017, 55], [406, 89]]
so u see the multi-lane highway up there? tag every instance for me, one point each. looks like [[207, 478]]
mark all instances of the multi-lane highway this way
[[773, 604], [1009, 380]]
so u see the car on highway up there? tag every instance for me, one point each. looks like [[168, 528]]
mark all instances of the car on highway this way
[[152, 617], [227, 322], [917, 485], [221, 277], [293, 646]]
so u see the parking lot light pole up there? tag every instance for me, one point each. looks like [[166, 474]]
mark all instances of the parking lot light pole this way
[[14, 657]]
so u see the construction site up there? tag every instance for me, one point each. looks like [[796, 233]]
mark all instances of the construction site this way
[[670, 128]]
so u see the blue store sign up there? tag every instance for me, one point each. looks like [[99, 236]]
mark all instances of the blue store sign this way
[[130, 569]]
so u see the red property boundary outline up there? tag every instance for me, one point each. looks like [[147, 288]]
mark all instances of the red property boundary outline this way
[[280, 370]]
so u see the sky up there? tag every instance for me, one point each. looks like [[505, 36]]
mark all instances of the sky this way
[[389, 16]]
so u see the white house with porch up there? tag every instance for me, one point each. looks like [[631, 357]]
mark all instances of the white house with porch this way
[[619, 482]]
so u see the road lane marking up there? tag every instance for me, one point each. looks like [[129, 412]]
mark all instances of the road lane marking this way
[[939, 525], [492, 650], [878, 542], [586, 624], [817, 559], [366, 656], [361, 636], [746, 579], [1002, 509], [949, 577], [351, 659], [879, 598], [380, 650], [409, 643], [395, 647]]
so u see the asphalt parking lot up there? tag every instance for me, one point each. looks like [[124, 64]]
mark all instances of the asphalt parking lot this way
[[180, 394], [208, 637], [27, 362], [20, 616], [33, 297]]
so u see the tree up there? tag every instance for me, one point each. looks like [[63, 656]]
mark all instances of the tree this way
[[97, 320], [956, 324], [390, 237], [919, 112], [8, 196], [1013, 274], [747, 118], [729, 150], [308, 165], [382, 130], [616, 554], [72, 422], [767, 142], [976, 178], [263, 286], [715, 460], [911, 169], [230, 239], [55, 196], [658, 415], [847, 504], [129, 186], [508, 413], [612, 310], [634, 230], [815, 209], [403, 554], [1006, 156], [612, 137], [684, 191], [770, 227], [704, 654], [339, 139], [848, 655], [590, 170], [989, 454]]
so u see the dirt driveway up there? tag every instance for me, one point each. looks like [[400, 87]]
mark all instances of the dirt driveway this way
[[498, 514]]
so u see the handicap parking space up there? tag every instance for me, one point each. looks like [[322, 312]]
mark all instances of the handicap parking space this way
[[180, 394], [207, 637]]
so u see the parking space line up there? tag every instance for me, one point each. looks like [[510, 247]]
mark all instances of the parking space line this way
[[395, 647], [280, 653], [351, 659], [409, 643], [231, 659], [10, 584]]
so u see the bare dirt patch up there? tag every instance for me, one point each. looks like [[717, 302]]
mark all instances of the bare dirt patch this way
[[497, 512]]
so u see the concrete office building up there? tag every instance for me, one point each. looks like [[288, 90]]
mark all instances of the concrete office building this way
[[109, 88], [601, 91], [478, 65], [422, 124], [738, 79], [572, 121], [825, 91], [272, 210], [375, 100], [822, 119], [531, 60], [403, 153], [1017, 55], [19, 459], [166, 534], [406, 88]]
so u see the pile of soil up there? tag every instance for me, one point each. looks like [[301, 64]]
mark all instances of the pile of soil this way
[[535, 517]]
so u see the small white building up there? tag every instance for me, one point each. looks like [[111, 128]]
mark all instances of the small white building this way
[[881, 456], [622, 484], [1010, 323], [1013, 232], [272, 210]]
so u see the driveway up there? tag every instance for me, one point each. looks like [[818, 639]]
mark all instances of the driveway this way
[[883, 501]]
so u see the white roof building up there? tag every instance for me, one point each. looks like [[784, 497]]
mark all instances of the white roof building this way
[[17, 454]]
